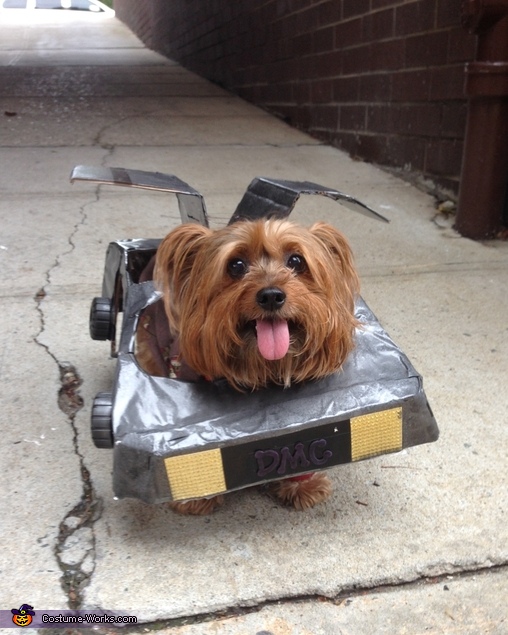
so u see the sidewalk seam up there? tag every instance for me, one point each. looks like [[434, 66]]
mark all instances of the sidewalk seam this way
[[343, 597]]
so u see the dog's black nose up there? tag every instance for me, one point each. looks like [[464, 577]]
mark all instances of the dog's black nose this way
[[270, 298]]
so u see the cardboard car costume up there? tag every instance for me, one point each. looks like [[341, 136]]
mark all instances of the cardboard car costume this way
[[176, 440]]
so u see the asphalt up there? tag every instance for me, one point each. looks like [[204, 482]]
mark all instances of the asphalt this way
[[415, 542]]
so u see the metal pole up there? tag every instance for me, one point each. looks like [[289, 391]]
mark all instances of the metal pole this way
[[484, 177]]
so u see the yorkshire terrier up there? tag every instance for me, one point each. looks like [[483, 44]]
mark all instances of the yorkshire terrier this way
[[256, 303]]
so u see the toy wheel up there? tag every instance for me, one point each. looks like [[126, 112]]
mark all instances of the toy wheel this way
[[102, 422], [101, 319]]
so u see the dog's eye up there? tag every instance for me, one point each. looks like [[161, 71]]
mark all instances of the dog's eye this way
[[237, 267], [297, 263]]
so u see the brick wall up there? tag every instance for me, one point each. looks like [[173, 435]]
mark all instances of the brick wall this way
[[382, 79]]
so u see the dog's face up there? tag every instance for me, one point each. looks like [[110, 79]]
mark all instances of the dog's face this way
[[259, 302]]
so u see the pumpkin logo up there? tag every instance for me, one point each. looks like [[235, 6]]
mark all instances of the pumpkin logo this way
[[23, 616]]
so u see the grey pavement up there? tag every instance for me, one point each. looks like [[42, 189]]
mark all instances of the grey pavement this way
[[415, 542]]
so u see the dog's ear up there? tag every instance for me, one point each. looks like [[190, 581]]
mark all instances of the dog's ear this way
[[338, 247], [173, 264]]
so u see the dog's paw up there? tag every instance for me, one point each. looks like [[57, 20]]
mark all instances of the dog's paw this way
[[198, 507], [302, 493]]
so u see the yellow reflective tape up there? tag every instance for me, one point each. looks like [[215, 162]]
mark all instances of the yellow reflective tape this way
[[195, 475], [377, 433]]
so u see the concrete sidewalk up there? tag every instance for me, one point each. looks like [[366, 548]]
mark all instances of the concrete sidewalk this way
[[410, 543]]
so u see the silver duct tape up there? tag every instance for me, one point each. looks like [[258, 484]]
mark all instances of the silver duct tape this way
[[155, 418]]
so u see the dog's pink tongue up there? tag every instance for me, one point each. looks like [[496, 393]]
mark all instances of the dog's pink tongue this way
[[273, 338]]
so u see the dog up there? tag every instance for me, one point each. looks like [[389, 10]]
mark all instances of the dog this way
[[255, 303]]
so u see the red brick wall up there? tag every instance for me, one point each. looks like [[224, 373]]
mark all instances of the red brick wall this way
[[382, 79]]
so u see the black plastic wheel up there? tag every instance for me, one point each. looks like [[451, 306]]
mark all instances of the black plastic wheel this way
[[101, 319], [102, 421]]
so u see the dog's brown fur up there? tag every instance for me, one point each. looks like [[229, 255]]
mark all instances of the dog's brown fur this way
[[213, 308]]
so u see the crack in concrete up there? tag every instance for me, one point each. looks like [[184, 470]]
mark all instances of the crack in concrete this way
[[75, 544], [342, 598], [75, 548], [97, 140]]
